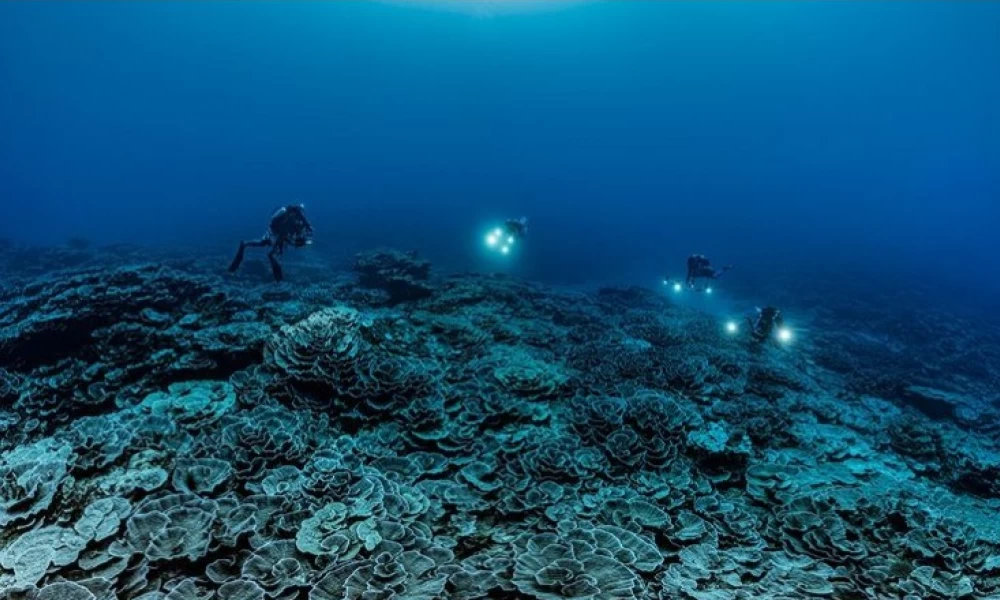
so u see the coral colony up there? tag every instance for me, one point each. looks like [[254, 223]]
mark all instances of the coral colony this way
[[171, 434]]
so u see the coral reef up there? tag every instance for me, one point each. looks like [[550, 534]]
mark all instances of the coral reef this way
[[402, 275], [166, 433]]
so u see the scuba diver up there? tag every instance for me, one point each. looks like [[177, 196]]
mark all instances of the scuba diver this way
[[699, 267], [516, 228], [768, 322], [288, 227], [502, 238]]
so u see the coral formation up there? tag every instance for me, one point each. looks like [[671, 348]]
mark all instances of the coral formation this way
[[403, 275], [167, 434]]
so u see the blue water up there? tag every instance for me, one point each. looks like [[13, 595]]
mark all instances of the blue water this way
[[864, 135]]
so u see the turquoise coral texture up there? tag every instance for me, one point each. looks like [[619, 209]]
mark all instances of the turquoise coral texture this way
[[171, 434]]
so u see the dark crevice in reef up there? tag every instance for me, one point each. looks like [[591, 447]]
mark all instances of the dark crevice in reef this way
[[48, 347], [168, 432], [224, 366]]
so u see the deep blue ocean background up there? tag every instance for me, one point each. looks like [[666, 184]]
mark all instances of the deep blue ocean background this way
[[857, 136]]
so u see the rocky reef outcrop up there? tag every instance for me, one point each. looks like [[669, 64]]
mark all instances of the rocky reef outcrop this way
[[402, 275]]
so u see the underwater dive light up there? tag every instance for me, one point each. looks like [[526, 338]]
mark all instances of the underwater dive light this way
[[678, 287], [784, 335], [708, 291], [732, 327], [499, 240]]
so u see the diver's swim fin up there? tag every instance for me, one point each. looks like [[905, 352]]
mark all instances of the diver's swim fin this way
[[238, 259]]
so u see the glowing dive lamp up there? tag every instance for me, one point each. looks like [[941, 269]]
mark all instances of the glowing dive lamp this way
[[501, 240], [732, 327], [708, 291], [678, 287], [784, 335]]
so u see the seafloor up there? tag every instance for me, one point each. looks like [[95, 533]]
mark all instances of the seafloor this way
[[173, 433]]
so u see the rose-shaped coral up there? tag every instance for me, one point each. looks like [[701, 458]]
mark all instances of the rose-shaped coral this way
[[551, 568], [329, 533], [170, 528], [200, 475], [277, 568], [524, 376], [29, 479], [624, 448], [596, 418], [340, 356]]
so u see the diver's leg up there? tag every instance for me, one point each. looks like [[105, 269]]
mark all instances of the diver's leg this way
[[722, 271], [238, 259], [275, 265]]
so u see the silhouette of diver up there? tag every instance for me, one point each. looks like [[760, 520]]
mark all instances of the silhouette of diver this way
[[516, 228], [288, 226], [767, 321], [699, 267]]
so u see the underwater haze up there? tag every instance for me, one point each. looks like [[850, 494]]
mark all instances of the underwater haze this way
[[632, 133], [745, 346]]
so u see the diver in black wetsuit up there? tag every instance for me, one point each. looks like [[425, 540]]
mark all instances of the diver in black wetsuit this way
[[699, 267], [288, 226], [767, 322]]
